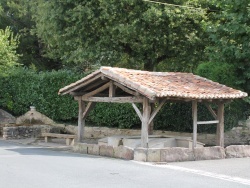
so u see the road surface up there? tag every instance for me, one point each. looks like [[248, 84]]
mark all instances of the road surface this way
[[23, 166]]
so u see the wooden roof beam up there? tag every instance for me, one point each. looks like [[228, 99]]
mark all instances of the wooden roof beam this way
[[114, 99]]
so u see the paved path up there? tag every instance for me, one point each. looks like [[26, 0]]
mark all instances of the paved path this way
[[23, 166]]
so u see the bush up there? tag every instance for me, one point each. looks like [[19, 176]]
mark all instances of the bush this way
[[23, 88], [114, 115]]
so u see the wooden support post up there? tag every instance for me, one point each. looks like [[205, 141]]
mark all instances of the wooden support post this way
[[111, 89], [194, 111], [145, 120], [81, 121], [151, 124], [220, 125]]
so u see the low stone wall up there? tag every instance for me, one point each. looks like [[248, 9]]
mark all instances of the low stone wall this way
[[103, 150], [29, 131], [238, 135], [174, 154]]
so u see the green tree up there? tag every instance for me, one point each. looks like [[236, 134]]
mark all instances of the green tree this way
[[128, 33], [8, 46], [17, 15], [230, 41]]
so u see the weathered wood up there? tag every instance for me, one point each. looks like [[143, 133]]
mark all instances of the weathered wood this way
[[78, 94], [211, 110], [137, 111], [151, 124], [57, 135], [104, 78], [114, 99], [94, 85], [98, 90], [89, 107], [81, 121], [207, 122], [145, 120], [194, 110], [127, 90], [157, 110], [220, 125], [69, 138], [83, 84], [111, 89]]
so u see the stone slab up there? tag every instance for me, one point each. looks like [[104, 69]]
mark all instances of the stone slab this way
[[93, 149], [122, 152], [107, 151], [237, 151], [140, 154], [209, 153], [176, 154], [80, 148], [154, 155]]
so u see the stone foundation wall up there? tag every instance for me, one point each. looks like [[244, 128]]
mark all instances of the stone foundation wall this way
[[103, 150], [238, 135], [29, 131], [173, 154]]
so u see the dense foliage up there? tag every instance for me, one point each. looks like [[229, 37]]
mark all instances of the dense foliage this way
[[23, 88], [209, 38], [128, 33], [8, 45], [230, 42]]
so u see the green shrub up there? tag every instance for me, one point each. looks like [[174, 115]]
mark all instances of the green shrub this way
[[23, 88], [114, 115]]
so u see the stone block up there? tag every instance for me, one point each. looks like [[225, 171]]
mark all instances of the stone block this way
[[211, 136], [80, 148], [127, 153], [118, 152], [140, 154], [237, 151], [93, 149], [176, 154], [154, 155], [124, 153], [115, 141], [209, 153], [106, 151]]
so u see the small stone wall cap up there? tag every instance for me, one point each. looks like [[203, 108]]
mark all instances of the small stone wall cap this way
[[32, 108]]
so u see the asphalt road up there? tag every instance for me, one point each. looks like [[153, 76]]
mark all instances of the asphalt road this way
[[24, 166]]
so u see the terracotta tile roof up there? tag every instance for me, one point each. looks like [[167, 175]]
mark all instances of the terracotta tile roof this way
[[164, 84]]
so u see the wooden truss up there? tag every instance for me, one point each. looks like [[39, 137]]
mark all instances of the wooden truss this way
[[106, 91]]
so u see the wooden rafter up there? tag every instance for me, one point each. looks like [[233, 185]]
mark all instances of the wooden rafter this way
[[127, 90], [94, 85], [98, 90], [82, 84]]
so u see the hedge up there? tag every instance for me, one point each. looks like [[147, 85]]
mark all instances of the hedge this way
[[23, 88], [172, 117]]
